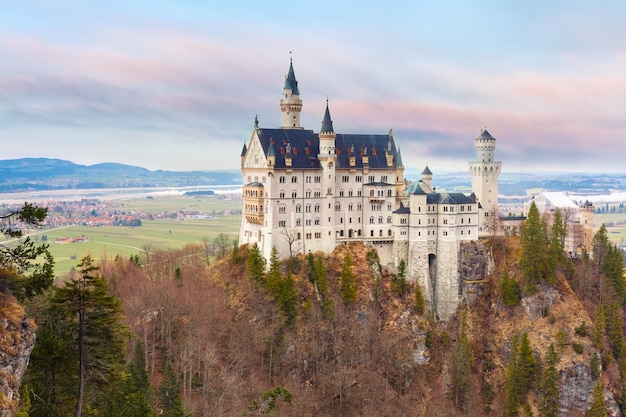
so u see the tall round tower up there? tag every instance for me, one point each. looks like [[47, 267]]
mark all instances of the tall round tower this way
[[290, 103], [485, 172]]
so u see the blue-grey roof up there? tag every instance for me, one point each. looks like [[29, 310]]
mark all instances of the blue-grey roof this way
[[290, 80], [426, 171], [327, 123], [449, 198], [305, 146], [244, 150], [254, 184], [403, 210], [399, 158], [486, 135], [414, 188]]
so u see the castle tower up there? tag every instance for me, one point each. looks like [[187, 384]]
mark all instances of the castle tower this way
[[485, 172], [328, 161], [290, 103], [586, 211]]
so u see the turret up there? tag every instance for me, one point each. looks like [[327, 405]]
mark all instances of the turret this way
[[327, 135], [290, 103], [485, 172]]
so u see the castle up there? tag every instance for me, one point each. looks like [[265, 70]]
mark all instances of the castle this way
[[306, 192]]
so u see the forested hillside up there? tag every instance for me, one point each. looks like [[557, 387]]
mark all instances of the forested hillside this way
[[332, 335]]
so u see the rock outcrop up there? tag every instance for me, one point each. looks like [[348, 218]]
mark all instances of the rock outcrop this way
[[17, 340]]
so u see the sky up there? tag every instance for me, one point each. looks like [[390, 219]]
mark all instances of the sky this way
[[175, 85]]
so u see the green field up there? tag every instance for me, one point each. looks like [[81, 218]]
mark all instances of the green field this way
[[107, 242], [615, 224], [110, 241]]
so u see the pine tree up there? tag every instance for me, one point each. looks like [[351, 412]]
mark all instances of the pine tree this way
[[549, 402], [557, 239], [510, 291], [462, 361], [598, 406], [348, 281], [100, 334], [597, 333], [255, 265], [419, 302], [169, 394], [398, 280], [533, 262], [512, 391], [526, 364]]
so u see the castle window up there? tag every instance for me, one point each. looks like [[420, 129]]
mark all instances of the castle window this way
[[403, 220], [372, 220], [329, 191], [307, 208], [358, 206], [358, 178], [350, 207], [445, 209], [318, 179], [281, 179], [294, 194], [358, 193], [337, 206], [299, 236], [462, 208], [282, 223], [308, 194], [317, 221], [341, 220], [445, 221], [318, 235], [388, 193], [451, 209], [388, 219], [345, 178], [389, 206], [419, 209], [282, 210], [461, 220], [445, 233], [298, 208], [282, 194], [349, 193], [371, 233], [294, 179], [340, 193], [371, 178], [380, 233], [317, 208], [359, 220], [380, 219], [308, 222], [317, 194], [298, 222], [308, 179], [389, 232], [371, 193], [383, 178]]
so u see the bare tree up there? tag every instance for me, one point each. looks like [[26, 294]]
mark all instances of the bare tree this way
[[292, 240], [222, 246]]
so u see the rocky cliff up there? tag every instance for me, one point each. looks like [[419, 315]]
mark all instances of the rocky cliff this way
[[17, 340]]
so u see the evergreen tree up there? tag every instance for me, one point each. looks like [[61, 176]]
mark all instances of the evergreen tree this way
[[255, 265], [348, 281], [526, 364], [26, 268], [398, 280], [598, 406], [419, 303], [549, 402], [86, 302], [169, 394], [533, 262], [462, 361], [510, 291], [597, 333], [557, 240]]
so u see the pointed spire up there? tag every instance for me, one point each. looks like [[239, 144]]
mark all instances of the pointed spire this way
[[244, 150], [399, 159], [290, 80], [327, 123]]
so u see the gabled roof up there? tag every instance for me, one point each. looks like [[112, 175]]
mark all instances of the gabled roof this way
[[244, 150], [426, 171]]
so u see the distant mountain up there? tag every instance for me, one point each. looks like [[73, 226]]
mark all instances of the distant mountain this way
[[30, 174], [27, 174]]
